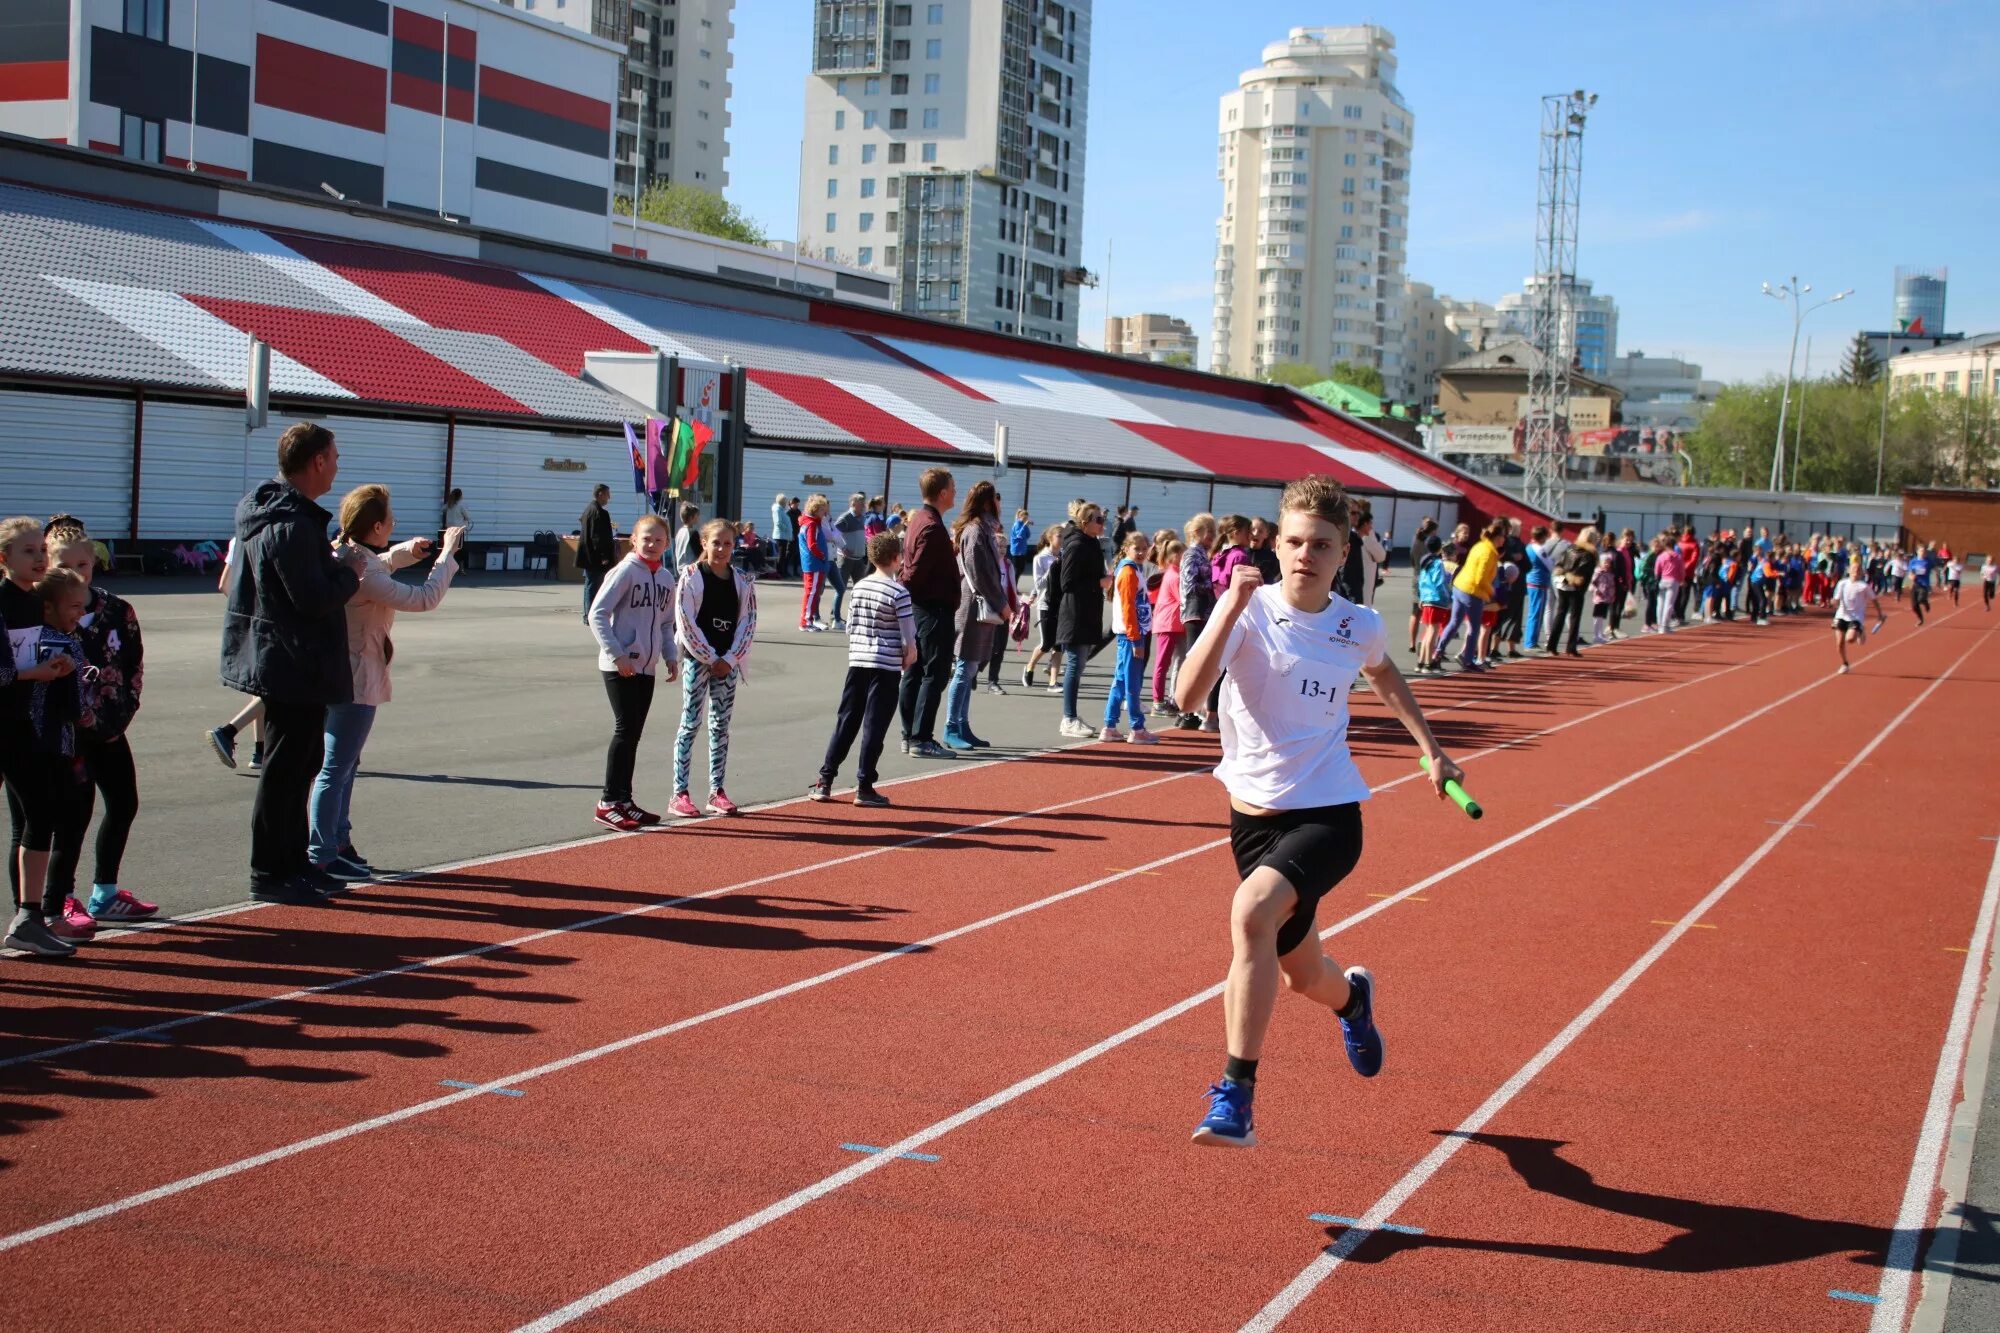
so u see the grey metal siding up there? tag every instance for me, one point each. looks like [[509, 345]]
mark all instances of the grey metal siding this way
[[70, 454]]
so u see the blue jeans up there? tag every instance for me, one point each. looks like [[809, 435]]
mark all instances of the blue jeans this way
[[1538, 599], [1125, 685], [347, 728], [958, 696], [1466, 610], [593, 579], [1073, 660]]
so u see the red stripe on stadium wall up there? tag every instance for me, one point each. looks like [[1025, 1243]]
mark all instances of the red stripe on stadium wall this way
[[544, 97], [407, 90], [34, 81], [473, 298], [898, 354], [857, 416], [426, 31], [322, 85], [362, 356], [1238, 456]]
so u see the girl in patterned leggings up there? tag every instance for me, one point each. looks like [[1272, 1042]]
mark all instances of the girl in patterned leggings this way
[[717, 619]]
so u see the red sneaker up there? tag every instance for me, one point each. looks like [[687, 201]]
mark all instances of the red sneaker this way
[[614, 815]]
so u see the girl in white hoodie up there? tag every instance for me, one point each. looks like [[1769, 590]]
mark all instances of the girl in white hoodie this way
[[367, 522], [717, 619], [632, 618]]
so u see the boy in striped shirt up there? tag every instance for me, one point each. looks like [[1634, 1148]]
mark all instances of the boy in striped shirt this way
[[881, 643]]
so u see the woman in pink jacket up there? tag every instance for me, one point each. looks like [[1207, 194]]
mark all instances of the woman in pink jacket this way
[[1669, 573], [367, 522]]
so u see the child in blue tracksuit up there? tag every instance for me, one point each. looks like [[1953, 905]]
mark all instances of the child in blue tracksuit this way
[[1132, 627], [1540, 575]]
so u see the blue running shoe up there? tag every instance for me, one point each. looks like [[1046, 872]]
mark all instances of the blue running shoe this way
[[954, 741], [1363, 1041], [1227, 1124]]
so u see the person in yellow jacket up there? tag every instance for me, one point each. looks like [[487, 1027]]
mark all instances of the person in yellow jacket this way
[[1470, 592]]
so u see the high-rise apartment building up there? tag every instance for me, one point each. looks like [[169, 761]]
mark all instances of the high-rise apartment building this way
[[944, 148], [673, 101], [1150, 338], [1314, 160], [1589, 333]]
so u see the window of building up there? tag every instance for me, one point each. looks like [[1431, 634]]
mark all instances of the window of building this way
[[899, 118], [867, 187], [840, 87], [140, 138], [898, 152], [146, 18], [934, 15], [933, 49], [931, 82], [832, 222], [895, 187], [1930, 378], [930, 152], [840, 120], [871, 86], [833, 154], [899, 16], [1347, 207], [930, 117], [868, 120], [890, 221], [868, 222], [1951, 381], [867, 153], [899, 85], [865, 256], [1975, 380], [833, 187], [899, 50]]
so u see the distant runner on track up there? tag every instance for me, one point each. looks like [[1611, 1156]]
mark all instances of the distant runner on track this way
[[1291, 651]]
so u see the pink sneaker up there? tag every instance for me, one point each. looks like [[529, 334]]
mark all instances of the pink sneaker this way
[[1110, 733], [682, 806], [720, 804], [72, 925], [1141, 736], [124, 907]]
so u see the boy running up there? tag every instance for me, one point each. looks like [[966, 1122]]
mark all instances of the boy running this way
[[1919, 568], [1989, 575], [1852, 597], [1291, 651]]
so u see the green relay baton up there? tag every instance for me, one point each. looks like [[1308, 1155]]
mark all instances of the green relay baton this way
[[1456, 792]]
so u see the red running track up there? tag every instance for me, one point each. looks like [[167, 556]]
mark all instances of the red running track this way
[[686, 1068]]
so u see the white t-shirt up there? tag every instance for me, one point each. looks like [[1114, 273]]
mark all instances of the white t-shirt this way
[[1284, 701], [1850, 599], [1991, 569]]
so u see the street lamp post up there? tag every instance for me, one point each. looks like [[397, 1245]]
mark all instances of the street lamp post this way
[[1792, 291]]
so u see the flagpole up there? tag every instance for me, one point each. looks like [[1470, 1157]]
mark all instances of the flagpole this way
[[1882, 431]]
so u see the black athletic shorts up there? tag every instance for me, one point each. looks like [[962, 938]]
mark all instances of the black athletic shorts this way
[[1314, 849], [1842, 625], [1920, 596]]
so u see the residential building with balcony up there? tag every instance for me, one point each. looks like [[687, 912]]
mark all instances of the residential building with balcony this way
[[1149, 337], [1588, 337]]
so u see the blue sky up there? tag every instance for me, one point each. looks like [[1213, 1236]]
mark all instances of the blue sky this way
[[1733, 144]]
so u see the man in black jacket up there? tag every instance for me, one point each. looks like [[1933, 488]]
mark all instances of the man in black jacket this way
[[930, 571], [284, 640], [596, 545]]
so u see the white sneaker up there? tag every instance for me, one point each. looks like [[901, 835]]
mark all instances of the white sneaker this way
[[1141, 736], [1077, 728], [1845, 668], [1111, 734]]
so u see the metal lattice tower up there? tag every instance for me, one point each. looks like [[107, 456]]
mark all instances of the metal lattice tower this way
[[1546, 435]]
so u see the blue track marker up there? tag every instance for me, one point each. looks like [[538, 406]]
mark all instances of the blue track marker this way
[[913, 1156], [1855, 1296], [1355, 1222], [461, 1083]]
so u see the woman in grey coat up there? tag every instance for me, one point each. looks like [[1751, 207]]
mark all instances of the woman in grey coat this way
[[982, 608]]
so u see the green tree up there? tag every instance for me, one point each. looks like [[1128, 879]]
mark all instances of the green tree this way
[[691, 208], [1836, 428], [1365, 378], [1862, 365], [1295, 373], [1182, 359]]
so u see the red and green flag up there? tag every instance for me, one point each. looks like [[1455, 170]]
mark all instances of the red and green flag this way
[[1913, 327], [683, 468]]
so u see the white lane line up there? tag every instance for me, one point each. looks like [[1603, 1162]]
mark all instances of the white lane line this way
[[284, 1151], [791, 1203], [362, 979], [1399, 1194], [1893, 1295]]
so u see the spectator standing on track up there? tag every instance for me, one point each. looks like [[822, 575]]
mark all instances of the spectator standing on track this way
[[687, 538], [34, 776], [1417, 549], [1471, 589], [815, 560], [778, 507], [113, 648], [1433, 583], [715, 625], [1132, 625], [1042, 600], [1852, 597], [982, 609], [1690, 552], [1294, 791], [596, 545], [222, 739], [1167, 623], [1573, 573], [1508, 597], [1624, 567], [1010, 584], [1603, 595], [1259, 549], [1233, 533], [929, 569], [1021, 544], [794, 518], [367, 521], [1122, 528], [284, 639], [851, 528], [1373, 555], [1197, 597], [1082, 582], [455, 515], [1670, 574], [881, 645], [633, 622], [56, 713], [1537, 576]]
